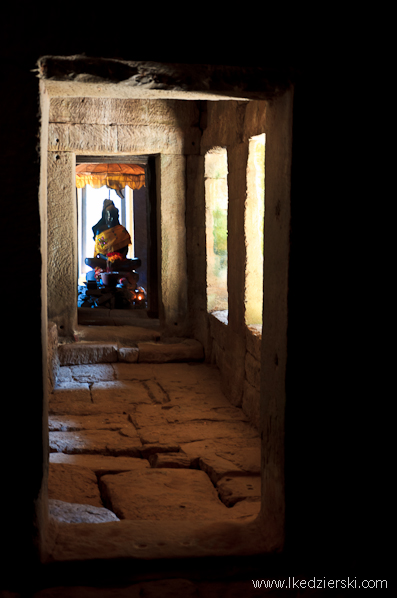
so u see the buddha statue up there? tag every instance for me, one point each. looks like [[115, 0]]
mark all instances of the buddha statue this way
[[110, 237]]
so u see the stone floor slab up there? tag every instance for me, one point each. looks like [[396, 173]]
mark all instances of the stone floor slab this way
[[73, 484], [195, 431], [95, 442], [216, 467], [75, 390], [236, 488], [165, 417], [158, 494], [118, 394], [245, 510], [147, 415], [92, 373], [187, 350], [134, 371], [70, 423], [100, 464], [65, 401], [247, 458], [197, 411], [170, 460], [219, 446], [150, 449]]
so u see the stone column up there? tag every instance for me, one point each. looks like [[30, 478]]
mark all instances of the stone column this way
[[275, 314], [62, 242], [171, 184]]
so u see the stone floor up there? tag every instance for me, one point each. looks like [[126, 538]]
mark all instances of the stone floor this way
[[147, 434]]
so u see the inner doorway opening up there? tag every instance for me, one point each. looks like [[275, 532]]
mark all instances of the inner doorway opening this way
[[115, 233]]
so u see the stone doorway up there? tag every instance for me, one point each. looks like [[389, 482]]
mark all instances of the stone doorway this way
[[125, 304], [121, 129]]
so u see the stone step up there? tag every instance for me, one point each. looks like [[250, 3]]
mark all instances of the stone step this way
[[115, 317], [91, 352]]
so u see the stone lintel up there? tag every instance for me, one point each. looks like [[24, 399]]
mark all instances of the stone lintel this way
[[229, 81]]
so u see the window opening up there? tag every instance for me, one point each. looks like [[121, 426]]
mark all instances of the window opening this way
[[254, 230], [216, 201]]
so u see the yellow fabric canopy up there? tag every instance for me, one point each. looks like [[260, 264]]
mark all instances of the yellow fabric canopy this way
[[114, 176]]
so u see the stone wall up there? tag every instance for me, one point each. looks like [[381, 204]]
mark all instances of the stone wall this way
[[168, 129], [228, 342], [53, 362]]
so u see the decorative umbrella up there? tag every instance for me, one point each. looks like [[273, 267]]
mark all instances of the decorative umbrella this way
[[114, 176]]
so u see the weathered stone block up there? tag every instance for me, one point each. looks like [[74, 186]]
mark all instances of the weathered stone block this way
[[87, 353], [245, 510], [70, 423], [235, 488], [72, 400], [127, 371], [227, 448], [108, 111], [96, 442], [188, 350], [195, 410], [170, 460], [92, 373], [158, 139], [251, 404], [151, 449], [247, 458], [81, 137], [217, 467], [71, 483], [61, 241], [125, 336], [193, 431], [147, 415], [128, 354], [219, 330], [100, 464], [254, 340], [175, 494], [52, 355], [70, 391], [253, 371], [119, 395], [66, 512]]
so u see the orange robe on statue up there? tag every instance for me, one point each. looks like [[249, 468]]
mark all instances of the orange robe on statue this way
[[111, 239]]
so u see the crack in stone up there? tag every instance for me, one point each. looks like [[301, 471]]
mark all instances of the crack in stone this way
[[147, 384]]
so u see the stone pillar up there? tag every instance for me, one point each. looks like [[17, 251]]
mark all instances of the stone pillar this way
[[275, 314], [140, 232], [196, 251], [237, 157], [171, 184], [62, 242]]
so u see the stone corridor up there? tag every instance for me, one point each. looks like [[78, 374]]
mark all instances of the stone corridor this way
[[145, 433]]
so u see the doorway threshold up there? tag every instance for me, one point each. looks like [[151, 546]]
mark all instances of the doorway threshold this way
[[125, 548], [116, 317]]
